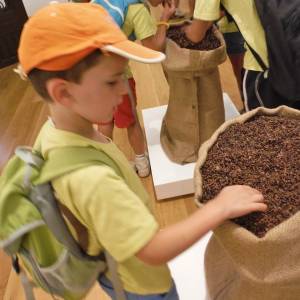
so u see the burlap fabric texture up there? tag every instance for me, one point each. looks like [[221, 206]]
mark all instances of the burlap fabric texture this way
[[241, 266], [195, 108]]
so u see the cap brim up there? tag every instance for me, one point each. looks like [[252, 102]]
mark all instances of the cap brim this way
[[135, 52]]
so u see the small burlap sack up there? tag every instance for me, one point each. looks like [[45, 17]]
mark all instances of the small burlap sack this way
[[195, 108], [241, 266]]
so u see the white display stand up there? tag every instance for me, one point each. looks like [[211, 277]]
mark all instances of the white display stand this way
[[187, 270], [171, 179]]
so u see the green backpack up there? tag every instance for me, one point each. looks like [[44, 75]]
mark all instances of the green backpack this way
[[32, 227]]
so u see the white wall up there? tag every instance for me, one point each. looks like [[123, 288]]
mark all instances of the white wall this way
[[31, 6]]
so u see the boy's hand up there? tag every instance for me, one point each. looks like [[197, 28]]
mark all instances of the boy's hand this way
[[239, 200], [169, 10]]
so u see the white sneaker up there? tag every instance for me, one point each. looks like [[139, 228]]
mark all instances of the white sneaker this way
[[142, 165]]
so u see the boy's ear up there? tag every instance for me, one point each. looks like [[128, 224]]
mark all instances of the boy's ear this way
[[59, 91]]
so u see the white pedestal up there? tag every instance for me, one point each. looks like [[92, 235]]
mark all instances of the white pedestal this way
[[187, 270], [171, 179]]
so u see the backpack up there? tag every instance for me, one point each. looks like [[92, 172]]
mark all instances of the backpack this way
[[32, 225], [117, 8], [281, 23]]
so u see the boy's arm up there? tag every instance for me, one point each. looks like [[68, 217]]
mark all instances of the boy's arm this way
[[197, 30], [157, 41], [205, 13], [232, 201]]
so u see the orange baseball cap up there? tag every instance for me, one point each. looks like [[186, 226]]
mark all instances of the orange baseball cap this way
[[61, 34]]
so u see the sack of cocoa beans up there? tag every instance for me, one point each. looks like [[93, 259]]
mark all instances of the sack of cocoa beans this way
[[257, 256], [195, 109]]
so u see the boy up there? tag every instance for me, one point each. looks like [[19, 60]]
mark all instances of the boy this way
[[138, 24], [75, 56], [257, 90]]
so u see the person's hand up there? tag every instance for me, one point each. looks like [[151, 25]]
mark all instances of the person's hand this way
[[239, 200], [169, 9]]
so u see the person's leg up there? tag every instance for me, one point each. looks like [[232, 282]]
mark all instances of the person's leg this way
[[126, 117], [235, 50], [136, 140], [237, 61]]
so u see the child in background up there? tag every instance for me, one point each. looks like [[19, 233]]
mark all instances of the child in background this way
[[257, 87], [79, 74], [138, 25], [234, 44]]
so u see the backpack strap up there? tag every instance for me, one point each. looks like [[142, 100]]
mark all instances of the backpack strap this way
[[64, 160], [26, 283], [115, 279]]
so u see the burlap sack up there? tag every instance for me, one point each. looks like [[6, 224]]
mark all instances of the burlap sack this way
[[195, 108], [241, 266]]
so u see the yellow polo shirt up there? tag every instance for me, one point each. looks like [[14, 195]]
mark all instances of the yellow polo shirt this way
[[246, 17], [225, 26], [116, 211], [139, 22]]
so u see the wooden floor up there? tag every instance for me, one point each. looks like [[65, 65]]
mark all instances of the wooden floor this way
[[21, 115]]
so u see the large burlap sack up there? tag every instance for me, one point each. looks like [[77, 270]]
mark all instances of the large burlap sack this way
[[195, 108], [241, 266]]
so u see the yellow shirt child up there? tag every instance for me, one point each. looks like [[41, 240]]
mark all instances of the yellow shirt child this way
[[246, 17], [104, 203]]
